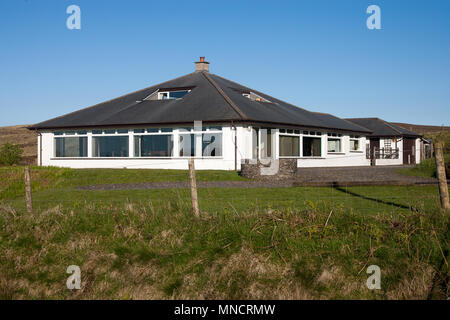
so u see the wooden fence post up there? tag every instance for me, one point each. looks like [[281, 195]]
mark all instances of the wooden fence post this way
[[440, 170], [193, 184], [28, 190]]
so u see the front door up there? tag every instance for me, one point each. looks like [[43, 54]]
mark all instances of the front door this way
[[409, 151]]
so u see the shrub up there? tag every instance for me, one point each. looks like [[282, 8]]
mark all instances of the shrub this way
[[10, 154]]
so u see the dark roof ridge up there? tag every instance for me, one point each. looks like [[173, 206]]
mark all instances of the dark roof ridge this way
[[225, 96], [117, 98]]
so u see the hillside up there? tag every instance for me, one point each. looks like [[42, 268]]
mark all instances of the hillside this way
[[25, 138], [422, 129]]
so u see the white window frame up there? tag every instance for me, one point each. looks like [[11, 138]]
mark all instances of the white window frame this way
[[336, 136], [76, 134], [161, 93], [358, 139], [103, 134]]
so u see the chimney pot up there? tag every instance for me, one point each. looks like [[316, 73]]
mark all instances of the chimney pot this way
[[202, 65]]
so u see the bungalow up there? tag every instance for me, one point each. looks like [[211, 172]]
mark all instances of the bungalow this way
[[389, 144], [219, 123]]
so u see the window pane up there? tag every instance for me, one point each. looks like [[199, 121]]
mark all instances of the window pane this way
[[109, 131], [166, 130], [177, 94], [122, 131], [334, 145], [266, 143], [96, 131], [312, 147], [153, 146], [212, 144], [113, 146], [71, 147], [289, 146], [354, 145], [187, 145]]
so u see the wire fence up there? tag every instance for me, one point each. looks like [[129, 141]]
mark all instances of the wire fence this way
[[169, 189]]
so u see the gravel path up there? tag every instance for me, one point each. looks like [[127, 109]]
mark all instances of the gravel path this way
[[356, 176]]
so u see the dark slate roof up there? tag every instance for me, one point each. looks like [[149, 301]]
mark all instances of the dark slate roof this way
[[212, 99], [381, 128]]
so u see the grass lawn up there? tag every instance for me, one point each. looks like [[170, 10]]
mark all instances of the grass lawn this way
[[426, 168], [265, 243]]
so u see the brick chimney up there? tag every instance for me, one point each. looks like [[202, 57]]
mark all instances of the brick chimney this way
[[202, 65]]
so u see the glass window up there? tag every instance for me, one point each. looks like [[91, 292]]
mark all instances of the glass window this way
[[312, 147], [187, 145], [82, 132], [178, 94], [109, 131], [289, 146], [112, 146], [122, 131], [139, 130], [354, 144], [334, 145], [71, 147], [172, 94], [166, 130], [152, 130], [212, 144], [96, 131], [58, 133], [266, 143], [153, 146]]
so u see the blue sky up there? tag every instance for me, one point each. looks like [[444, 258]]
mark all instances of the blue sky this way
[[318, 55]]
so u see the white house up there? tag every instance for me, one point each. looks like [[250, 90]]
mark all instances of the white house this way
[[219, 123], [389, 144]]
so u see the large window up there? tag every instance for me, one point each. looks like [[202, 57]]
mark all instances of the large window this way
[[110, 146], [71, 147], [312, 147], [153, 146], [212, 144], [289, 146], [187, 145]]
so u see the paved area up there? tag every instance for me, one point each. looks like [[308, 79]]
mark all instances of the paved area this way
[[346, 176], [376, 174]]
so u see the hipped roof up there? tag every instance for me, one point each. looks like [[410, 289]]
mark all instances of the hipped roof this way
[[381, 128], [212, 99]]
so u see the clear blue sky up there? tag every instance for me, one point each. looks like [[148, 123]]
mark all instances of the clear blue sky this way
[[315, 54]]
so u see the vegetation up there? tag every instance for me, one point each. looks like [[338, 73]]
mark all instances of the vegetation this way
[[427, 168], [265, 243], [10, 154]]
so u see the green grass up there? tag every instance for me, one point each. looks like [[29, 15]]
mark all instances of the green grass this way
[[265, 243], [426, 168]]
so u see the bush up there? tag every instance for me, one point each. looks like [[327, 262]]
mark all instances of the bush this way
[[10, 154]]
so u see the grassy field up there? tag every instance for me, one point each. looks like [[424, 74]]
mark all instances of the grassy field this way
[[265, 243], [427, 168]]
